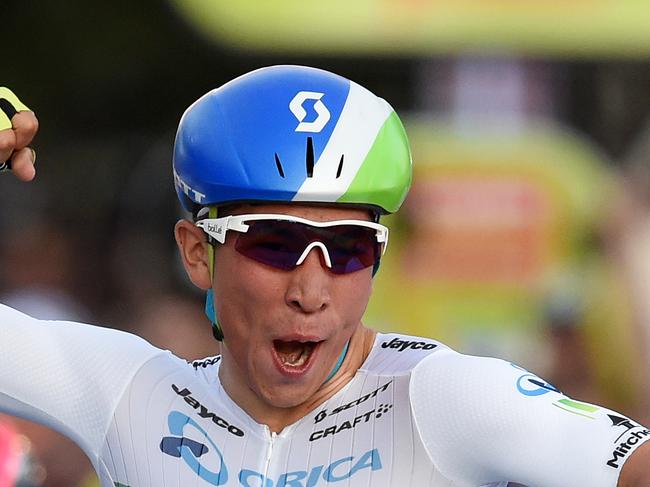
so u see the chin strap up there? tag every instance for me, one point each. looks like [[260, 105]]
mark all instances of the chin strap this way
[[339, 362], [212, 316]]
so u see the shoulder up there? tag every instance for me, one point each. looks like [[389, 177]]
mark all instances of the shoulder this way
[[453, 386], [484, 420], [396, 354], [82, 338]]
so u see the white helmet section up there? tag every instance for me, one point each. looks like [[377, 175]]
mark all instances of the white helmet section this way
[[360, 121]]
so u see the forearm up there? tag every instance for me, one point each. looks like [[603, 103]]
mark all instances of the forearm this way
[[636, 471], [68, 376]]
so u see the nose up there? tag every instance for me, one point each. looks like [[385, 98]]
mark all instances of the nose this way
[[309, 286]]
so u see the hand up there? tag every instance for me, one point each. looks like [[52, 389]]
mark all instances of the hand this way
[[18, 126]]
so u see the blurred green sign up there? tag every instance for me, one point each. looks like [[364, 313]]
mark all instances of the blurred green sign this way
[[421, 27]]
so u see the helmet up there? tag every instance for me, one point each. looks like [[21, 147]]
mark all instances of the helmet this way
[[291, 134]]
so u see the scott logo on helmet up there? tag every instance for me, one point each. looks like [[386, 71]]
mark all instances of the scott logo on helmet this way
[[193, 194], [322, 113]]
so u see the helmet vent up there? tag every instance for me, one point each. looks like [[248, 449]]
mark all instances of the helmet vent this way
[[338, 171], [278, 164], [310, 158]]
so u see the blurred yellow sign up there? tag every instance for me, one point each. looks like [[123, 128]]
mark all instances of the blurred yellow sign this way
[[496, 228], [572, 27]]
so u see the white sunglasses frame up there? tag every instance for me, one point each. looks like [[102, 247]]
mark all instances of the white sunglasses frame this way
[[218, 227]]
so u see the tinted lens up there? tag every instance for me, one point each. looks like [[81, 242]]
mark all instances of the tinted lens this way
[[352, 248], [280, 244], [273, 242]]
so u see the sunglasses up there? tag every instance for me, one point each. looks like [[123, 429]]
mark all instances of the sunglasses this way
[[284, 241]]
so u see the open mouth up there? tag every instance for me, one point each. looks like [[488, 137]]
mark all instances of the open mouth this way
[[293, 353]]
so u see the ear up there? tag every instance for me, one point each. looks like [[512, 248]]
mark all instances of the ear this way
[[192, 244]]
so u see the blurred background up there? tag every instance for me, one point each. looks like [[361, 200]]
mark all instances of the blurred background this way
[[526, 234]]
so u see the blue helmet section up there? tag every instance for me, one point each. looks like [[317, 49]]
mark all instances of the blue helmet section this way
[[228, 140]]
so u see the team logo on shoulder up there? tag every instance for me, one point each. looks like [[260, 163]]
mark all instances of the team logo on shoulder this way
[[322, 113], [530, 385]]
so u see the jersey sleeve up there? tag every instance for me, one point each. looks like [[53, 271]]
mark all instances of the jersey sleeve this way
[[68, 376], [485, 420]]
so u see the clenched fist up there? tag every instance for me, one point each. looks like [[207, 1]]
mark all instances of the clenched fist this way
[[18, 126]]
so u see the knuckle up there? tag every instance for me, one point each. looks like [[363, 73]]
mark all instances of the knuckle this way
[[7, 141], [31, 124], [26, 122]]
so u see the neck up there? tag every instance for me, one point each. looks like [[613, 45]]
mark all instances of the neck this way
[[277, 418]]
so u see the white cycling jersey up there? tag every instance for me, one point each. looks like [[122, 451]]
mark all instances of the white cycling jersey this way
[[415, 414]]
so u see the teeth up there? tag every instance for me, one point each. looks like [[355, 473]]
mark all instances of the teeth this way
[[294, 354], [295, 359]]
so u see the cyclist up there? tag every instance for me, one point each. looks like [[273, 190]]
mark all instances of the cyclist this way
[[286, 171]]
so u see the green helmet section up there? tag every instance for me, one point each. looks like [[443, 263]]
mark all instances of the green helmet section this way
[[385, 175]]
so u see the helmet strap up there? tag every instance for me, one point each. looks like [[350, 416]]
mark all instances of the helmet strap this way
[[210, 310], [212, 316]]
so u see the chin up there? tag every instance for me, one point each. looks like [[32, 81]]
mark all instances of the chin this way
[[286, 396]]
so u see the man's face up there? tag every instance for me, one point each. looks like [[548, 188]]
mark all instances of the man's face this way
[[284, 330]]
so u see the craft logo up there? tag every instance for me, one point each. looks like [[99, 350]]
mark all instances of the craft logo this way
[[322, 113], [351, 424], [325, 413]]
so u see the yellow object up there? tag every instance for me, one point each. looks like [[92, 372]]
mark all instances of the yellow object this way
[[19, 106], [574, 28]]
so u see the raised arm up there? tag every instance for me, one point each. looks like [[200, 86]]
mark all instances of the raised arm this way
[[485, 420], [68, 376]]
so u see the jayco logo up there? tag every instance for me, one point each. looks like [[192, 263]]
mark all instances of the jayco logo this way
[[203, 411], [402, 345], [322, 113]]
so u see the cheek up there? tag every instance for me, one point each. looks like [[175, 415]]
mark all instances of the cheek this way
[[353, 294], [244, 291]]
